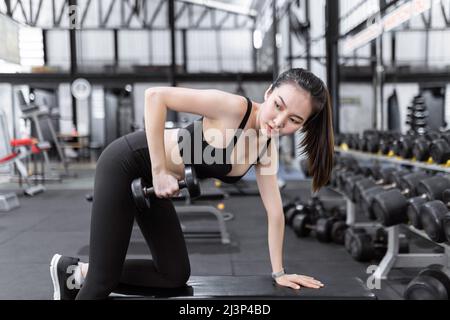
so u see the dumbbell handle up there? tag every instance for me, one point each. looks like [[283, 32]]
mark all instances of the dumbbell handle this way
[[150, 191]]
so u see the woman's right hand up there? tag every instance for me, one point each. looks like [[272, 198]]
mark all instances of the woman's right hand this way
[[165, 185]]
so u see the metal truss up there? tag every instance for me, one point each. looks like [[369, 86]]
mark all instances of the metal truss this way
[[127, 14]]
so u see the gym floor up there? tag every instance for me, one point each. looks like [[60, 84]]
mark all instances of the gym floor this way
[[57, 221]]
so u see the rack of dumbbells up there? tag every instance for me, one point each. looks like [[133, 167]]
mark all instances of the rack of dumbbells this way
[[323, 216], [418, 197], [365, 241]]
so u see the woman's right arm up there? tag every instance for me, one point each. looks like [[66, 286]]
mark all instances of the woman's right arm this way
[[209, 103]]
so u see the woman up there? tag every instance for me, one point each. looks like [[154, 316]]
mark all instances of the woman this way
[[297, 100]]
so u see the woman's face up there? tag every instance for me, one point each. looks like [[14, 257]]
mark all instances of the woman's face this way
[[285, 110]]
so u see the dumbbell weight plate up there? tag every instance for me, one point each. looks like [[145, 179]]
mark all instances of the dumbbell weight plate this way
[[292, 212], [432, 283], [447, 226], [338, 231], [421, 149], [410, 181], [425, 288], [349, 233], [433, 187], [432, 216], [440, 151], [301, 225], [137, 189], [390, 207], [366, 201], [360, 186], [413, 211], [361, 248], [323, 229], [191, 182], [446, 196]]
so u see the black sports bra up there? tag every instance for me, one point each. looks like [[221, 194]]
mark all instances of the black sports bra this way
[[206, 168]]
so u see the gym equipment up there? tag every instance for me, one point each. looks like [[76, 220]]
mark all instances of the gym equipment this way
[[390, 207], [384, 176], [9, 202], [142, 193], [252, 287], [338, 231], [446, 219], [303, 224], [417, 116], [34, 113], [432, 283], [327, 229], [363, 247], [432, 216], [440, 149], [313, 206], [23, 148], [405, 181]]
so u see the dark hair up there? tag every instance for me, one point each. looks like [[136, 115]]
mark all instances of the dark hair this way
[[318, 141]]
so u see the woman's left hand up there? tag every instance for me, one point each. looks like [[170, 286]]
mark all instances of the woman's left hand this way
[[294, 281]]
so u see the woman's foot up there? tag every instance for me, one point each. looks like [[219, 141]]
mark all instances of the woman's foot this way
[[66, 277]]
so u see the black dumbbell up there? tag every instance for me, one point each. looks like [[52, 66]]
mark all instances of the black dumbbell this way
[[313, 207], [348, 236], [416, 203], [385, 176], [303, 224], [338, 230], [390, 207], [363, 247], [440, 149], [432, 283], [403, 179], [446, 199], [142, 193], [432, 216], [421, 147]]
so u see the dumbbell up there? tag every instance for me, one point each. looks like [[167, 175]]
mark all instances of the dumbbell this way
[[403, 146], [142, 194], [303, 224], [312, 207], [435, 210], [430, 216], [383, 176], [390, 207], [446, 199], [421, 147], [363, 247], [288, 204], [337, 232], [403, 179], [416, 203], [432, 283], [440, 149]]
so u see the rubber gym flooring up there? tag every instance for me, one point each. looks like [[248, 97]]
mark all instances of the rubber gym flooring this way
[[57, 221]]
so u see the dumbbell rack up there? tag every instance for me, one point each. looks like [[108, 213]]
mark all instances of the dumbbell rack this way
[[392, 258], [395, 160]]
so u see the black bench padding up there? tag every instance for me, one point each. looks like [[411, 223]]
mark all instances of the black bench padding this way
[[253, 287]]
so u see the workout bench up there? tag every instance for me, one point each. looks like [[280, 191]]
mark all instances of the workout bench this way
[[251, 287]]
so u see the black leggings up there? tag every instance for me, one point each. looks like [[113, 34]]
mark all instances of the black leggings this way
[[113, 214]]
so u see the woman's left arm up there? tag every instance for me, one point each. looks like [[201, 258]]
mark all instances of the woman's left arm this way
[[266, 178]]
